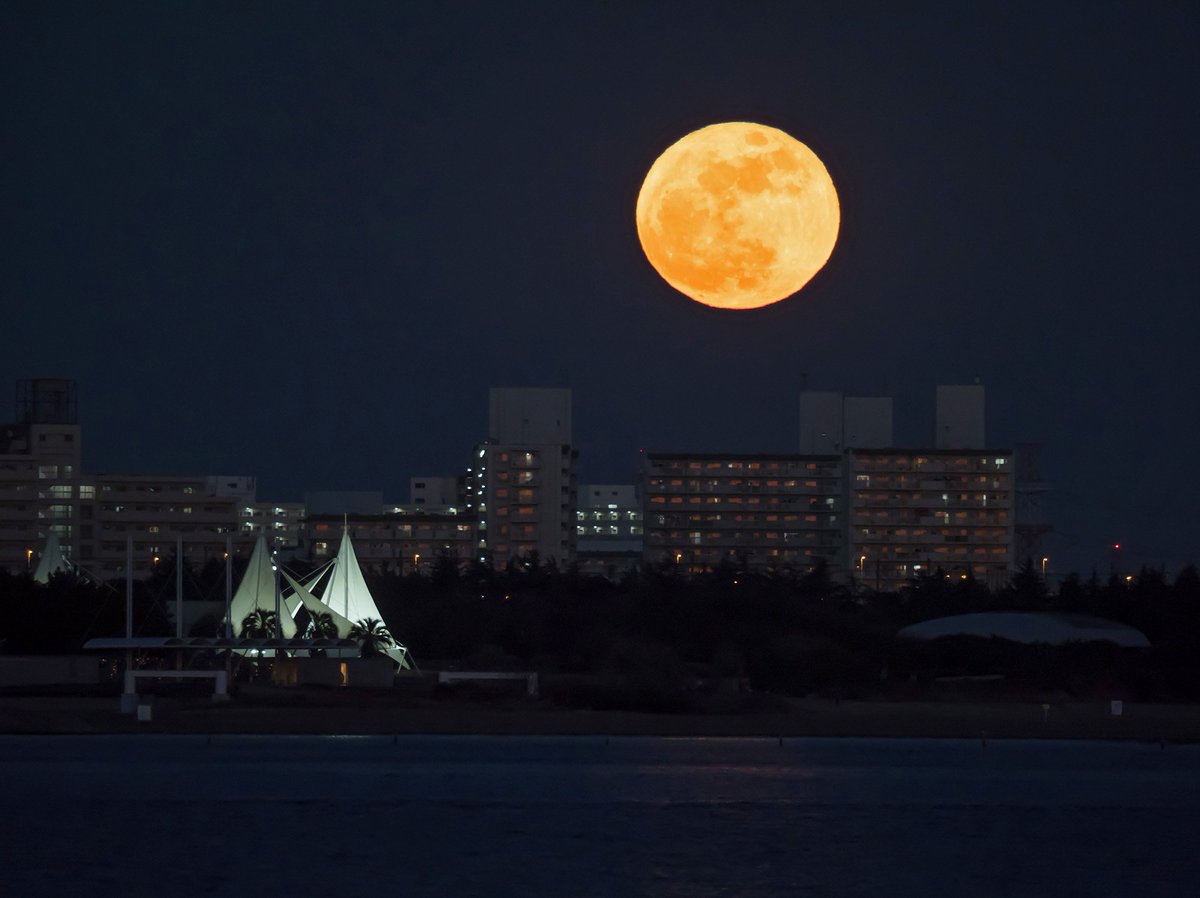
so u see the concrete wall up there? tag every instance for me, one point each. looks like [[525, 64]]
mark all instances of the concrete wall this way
[[867, 422], [960, 417], [530, 415], [820, 423]]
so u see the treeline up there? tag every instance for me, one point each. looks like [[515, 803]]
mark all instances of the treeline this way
[[791, 633], [782, 632]]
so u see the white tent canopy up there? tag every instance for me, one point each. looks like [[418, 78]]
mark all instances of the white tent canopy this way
[[347, 592], [52, 560], [300, 595], [346, 596], [256, 592]]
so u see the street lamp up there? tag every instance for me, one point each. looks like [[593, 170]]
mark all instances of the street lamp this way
[[1044, 561]]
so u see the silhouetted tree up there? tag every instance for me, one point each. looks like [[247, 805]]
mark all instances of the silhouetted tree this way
[[259, 624], [372, 635]]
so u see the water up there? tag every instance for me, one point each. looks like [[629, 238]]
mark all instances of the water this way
[[589, 816]]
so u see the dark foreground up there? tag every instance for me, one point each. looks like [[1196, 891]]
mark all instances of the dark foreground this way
[[299, 711]]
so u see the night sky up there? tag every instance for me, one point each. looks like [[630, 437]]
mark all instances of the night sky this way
[[302, 241]]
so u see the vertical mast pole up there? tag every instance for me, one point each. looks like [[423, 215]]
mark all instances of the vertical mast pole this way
[[179, 587], [228, 606], [129, 601], [179, 599]]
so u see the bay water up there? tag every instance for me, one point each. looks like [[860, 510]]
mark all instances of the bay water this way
[[595, 816]]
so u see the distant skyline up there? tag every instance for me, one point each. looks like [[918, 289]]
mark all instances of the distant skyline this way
[[302, 241]]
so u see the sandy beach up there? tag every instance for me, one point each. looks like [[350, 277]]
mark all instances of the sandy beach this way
[[302, 711]]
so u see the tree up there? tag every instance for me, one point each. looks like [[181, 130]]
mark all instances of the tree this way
[[259, 624], [321, 626], [372, 635]]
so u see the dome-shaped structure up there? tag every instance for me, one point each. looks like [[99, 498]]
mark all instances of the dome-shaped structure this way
[[1028, 627]]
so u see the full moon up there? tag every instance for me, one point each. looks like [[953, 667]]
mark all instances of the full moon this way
[[737, 215]]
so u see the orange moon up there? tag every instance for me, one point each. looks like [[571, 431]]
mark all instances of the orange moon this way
[[738, 215]]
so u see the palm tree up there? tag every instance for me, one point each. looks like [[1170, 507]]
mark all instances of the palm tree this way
[[259, 624], [321, 626], [373, 635]]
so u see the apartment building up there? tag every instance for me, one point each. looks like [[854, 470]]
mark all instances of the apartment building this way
[[769, 512], [915, 512], [881, 516], [278, 522], [608, 529], [156, 512], [403, 542], [521, 490], [40, 490], [44, 490]]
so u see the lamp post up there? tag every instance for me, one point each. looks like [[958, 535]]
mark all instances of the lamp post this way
[[1044, 562]]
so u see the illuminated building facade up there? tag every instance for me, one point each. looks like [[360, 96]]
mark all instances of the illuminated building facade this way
[[395, 542], [521, 491], [880, 516], [156, 512], [278, 522], [43, 490], [769, 512], [40, 490], [608, 529], [917, 512]]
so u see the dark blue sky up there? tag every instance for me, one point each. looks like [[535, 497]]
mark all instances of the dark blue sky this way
[[302, 241]]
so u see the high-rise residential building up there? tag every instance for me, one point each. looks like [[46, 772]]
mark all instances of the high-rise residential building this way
[[278, 522], [40, 487], [396, 542], [608, 529], [521, 489], [881, 516], [781, 512], [155, 512], [920, 511], [44, 490]]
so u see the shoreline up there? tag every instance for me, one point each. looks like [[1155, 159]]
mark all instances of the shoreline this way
[[358, 714]]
